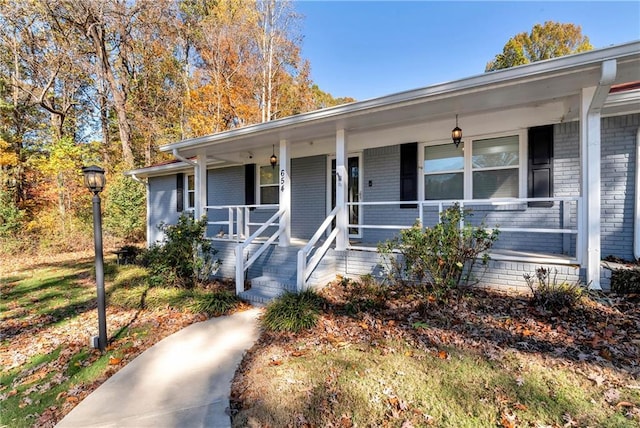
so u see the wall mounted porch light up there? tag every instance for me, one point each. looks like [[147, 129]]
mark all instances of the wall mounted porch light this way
[[456, 134], [273, 160]]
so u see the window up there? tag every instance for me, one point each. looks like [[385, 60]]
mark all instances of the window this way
[[495, 164], [190, 201], [269, 190], [444, 172], [481, 169]]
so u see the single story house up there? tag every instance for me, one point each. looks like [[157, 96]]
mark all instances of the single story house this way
[[549, 153]]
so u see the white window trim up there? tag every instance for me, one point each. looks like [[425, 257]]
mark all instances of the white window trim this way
[[187, 192], [468, 167], [260, 185]]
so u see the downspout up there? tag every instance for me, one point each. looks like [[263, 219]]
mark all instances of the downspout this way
[[183, 159], [591, 189], [636, 225], [138, 179]]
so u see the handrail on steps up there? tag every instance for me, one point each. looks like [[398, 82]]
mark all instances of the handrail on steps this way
[[241, 266], [306, 267]]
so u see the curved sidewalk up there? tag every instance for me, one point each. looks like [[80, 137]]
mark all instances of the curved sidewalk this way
[[182, 381]]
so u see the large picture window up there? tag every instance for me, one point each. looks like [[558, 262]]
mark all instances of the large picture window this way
[[496, 166], [268, 184], [480, 169], [444, 172]]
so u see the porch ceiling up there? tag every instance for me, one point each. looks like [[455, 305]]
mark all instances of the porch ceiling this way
[[559, 79]]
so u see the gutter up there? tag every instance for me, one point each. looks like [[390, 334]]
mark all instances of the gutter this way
[[505, 77], [636, 224]]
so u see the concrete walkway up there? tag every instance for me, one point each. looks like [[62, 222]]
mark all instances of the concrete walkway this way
[[182, 381]]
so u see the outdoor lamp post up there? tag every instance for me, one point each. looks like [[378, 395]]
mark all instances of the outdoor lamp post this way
[[94, 180]]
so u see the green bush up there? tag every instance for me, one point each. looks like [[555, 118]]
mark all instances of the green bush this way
[[364, 294], [184, 258], [552, 295], [441, 257], [125, 208], [625, 281], [11, 217], [293, 312], [213, 303]]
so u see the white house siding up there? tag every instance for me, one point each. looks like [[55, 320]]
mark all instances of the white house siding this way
[[162, 205], [618, 184], [308, 195], [225, 186]]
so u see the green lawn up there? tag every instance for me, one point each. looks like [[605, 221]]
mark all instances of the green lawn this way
[[399, 360], [48, 314]]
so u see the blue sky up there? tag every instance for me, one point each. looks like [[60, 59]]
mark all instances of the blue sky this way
[[366, 49]]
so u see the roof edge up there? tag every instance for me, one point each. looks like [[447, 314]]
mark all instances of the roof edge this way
[[553, 65]]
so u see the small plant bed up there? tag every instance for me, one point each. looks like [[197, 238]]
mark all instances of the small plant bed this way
[[48, 313], [387, 356]]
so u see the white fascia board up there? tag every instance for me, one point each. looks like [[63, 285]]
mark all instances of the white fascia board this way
[[485, 81], [159, 170]]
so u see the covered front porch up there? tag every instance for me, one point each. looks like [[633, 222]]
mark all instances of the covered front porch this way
[[332, 183]]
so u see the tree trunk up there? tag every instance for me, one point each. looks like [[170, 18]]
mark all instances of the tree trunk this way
[[96, 34]]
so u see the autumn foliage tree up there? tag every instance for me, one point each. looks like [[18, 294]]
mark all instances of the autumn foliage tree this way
[[109, 81], [549, 40]]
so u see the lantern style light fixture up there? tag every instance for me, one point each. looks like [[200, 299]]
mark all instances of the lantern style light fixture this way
[[456, 134], [273, 160], [94, 180]]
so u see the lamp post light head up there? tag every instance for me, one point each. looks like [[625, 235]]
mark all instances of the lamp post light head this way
[[94, 178]]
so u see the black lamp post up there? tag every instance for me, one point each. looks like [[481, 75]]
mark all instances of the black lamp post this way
[[94, 180]]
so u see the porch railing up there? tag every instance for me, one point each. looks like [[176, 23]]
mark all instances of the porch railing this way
[[305, 265], [421, 206], [238, 221], [241, 265]]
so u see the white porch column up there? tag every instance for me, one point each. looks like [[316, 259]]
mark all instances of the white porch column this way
[[590, 158], [342, 217], [284, 181], [200, 176], [591, 101]]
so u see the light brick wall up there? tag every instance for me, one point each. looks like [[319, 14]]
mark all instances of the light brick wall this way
[[618, 185], [162, 205], [308, 195]]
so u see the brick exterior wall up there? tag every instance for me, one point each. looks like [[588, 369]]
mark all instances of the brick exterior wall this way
[[308, 195], [618, 185]]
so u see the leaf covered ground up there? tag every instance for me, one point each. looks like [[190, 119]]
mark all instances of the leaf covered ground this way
[[48, 314], [386, 357]]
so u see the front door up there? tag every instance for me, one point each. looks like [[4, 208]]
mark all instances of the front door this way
[[353, 191]]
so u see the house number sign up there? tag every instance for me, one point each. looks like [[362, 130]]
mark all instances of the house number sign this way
[[282, 173]]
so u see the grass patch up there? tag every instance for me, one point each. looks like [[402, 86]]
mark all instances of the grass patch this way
[[393, 384]]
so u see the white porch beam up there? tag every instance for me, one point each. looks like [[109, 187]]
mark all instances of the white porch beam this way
[[591, 102], [342, 179], [200, 176], [284, 181]]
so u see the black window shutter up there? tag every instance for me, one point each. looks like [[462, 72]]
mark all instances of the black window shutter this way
[[408, 174], [180, 192], [250, 184], [540, 174]]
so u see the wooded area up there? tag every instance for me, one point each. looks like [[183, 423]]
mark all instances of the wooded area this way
[[109, 81]]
